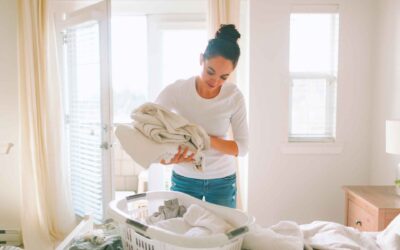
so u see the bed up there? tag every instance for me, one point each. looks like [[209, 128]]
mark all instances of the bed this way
[[288, 235]]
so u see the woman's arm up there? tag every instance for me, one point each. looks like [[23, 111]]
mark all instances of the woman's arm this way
[[240, 129], [224, 146], [239, 145]]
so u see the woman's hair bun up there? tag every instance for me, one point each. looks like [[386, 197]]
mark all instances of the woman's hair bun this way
[[224, 44], [228, 32]]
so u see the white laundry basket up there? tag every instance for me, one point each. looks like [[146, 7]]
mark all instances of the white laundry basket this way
[[129, 212]]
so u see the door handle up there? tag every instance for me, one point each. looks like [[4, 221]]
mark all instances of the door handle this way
[[104, 145]]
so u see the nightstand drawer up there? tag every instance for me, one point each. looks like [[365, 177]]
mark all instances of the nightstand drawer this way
[[371, 208], [359, 217]]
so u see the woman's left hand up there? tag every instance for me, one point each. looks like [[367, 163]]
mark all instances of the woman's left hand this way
[[224, 146]]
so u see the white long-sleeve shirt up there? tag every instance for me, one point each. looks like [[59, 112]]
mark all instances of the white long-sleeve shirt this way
[[215, 115]]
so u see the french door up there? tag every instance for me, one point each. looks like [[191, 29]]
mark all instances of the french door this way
[[85, 47]]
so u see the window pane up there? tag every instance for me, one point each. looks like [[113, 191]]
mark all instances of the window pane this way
[[313, 69], [181, 53], [83, 130], [311, 112], [313, 42], [129, 65]]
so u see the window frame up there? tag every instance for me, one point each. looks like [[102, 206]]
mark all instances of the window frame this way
[[330, 77], [331, 81]]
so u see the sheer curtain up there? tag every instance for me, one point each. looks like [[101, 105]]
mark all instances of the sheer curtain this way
[[46, 210], [222, 12], [226, 12]]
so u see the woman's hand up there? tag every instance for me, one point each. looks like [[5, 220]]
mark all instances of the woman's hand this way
[[179, 157], [224, 146]]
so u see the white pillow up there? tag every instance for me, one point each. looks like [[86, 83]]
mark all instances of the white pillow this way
[[141, 149], [389, 239]]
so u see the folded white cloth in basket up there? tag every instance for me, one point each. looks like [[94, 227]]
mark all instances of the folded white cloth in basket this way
[[198, 216], [198, 231], [180, 226], [176, 225]]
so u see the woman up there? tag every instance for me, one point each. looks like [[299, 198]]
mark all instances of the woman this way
[[214, 104]]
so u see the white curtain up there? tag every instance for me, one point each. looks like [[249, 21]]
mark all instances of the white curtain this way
[[222, 12], [46, 209], [226, 12]]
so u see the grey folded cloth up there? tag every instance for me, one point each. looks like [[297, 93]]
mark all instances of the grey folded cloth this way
[[171, 209]]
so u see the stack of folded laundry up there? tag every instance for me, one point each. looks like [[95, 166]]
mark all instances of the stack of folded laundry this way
[[156, 134]]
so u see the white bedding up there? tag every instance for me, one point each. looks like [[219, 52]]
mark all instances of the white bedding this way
[[329, 235], [288, 235]]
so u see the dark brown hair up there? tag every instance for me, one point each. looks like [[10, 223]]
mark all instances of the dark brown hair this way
[[224, 44]]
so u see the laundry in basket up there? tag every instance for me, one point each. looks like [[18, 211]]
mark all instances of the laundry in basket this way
[[137, 234], [194, 221]]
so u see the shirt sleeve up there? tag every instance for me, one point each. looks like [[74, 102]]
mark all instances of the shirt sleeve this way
[[167, 97], [240, 127]]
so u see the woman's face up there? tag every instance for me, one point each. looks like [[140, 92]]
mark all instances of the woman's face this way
[[215, 71]]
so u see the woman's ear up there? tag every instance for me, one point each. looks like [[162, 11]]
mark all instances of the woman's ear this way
[[201, 58]]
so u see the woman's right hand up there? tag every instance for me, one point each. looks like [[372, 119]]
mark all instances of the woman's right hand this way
[[179, 157]]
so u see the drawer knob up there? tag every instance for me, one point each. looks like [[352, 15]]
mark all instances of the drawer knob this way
[[358, 223]]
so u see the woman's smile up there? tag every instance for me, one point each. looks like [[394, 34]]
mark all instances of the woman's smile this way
[[211, 85]]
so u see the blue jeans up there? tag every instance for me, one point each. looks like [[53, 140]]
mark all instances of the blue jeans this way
[[220, 191]]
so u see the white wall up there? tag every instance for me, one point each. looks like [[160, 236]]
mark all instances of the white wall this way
[[306, 187], [9, 179], [386, 98]]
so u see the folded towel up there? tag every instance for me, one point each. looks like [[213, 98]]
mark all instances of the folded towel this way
[[176, 225], [179, 226], [198, 216], [197, 232], [142, 150], [163, 126]]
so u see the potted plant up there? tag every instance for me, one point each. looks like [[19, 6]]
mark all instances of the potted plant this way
[[397, 183]]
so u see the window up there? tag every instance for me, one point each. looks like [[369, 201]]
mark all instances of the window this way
[[181, 52], [129, 65], [313, 74], [149, 52]]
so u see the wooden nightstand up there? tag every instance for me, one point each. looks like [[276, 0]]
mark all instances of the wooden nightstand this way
[[371, 208]]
